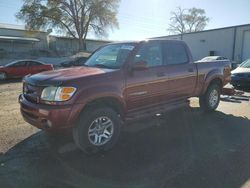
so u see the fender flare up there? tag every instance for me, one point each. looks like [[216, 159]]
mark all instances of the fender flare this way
[[213, 75], [109, 95]]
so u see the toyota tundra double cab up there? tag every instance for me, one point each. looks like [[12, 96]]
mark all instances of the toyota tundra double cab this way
[[120, 82]]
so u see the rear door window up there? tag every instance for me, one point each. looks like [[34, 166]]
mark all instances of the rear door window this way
[[150, 52], [176, 53]]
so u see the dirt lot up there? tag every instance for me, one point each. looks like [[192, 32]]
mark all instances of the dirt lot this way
[[13, 127], [184, 148]]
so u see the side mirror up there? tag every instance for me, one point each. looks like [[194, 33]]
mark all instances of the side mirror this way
[[140, 65]]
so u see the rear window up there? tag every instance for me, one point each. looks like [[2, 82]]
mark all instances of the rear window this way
[[176, 53]]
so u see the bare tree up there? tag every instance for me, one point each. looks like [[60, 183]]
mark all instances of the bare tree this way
[[73, 17], [196, 19], [177, 19], [187, 20]]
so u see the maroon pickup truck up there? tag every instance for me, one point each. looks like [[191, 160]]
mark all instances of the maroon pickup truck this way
[[120, 82]]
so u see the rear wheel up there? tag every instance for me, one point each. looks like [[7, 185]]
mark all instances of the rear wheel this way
[[3, 76], [211, 99], [97, 130]]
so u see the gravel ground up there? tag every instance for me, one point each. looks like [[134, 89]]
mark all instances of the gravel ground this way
[[13, 128], [183, 148]]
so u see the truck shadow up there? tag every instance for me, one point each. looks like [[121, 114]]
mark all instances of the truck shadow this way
[[235, 98], [185, 148]]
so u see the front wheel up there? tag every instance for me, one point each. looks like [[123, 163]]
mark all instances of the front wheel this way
[[211, 99], [97, 130]]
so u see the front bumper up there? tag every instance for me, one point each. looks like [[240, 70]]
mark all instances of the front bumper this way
[[49, 117]]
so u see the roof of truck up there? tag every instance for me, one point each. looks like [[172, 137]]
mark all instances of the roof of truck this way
[[138, 41]]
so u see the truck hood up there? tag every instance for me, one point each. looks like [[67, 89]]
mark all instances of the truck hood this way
[[57, 77], [241, 70]]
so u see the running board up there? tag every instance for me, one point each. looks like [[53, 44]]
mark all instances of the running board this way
[[152, 111]]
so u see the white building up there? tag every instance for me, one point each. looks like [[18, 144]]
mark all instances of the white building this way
[[231, 42], [16, 39]]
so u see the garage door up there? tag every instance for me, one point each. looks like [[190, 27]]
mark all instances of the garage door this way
[[246, 46]]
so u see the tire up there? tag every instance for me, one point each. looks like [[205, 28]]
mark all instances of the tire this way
[[211, 99], [3, 76], [86, 129]]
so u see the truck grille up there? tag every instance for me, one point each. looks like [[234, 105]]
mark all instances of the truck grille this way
[[32, 93]]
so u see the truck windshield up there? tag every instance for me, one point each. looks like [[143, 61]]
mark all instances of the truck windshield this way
[[111, 56]]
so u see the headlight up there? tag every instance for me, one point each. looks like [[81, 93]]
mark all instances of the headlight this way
[[57, 93]]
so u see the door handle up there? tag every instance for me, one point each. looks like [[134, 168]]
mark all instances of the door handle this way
[[190, 70], [160, 74]]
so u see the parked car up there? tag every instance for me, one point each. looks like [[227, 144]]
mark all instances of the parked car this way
[[21, 68], [78, 61], [213, 58], [118, 83], [241, 75]]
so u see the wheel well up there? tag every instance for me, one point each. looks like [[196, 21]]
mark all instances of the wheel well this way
[[108, 102], [213, 81], [216, 81]]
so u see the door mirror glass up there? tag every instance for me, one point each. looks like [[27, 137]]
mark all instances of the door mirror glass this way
[[140, 65]]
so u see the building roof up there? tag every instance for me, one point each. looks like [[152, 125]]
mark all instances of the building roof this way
[[27, 39], [22, 28], [11, 26], [230, 27], [69, 37], [16, 27]]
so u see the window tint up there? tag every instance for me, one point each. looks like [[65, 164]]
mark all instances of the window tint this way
[[19, 64], [150, 52], [176, 53], [33, 63]]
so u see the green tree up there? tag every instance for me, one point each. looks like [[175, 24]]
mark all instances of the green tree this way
[[72, 17], [187, 20]]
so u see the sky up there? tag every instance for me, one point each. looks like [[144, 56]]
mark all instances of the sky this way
[[140, 19]]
